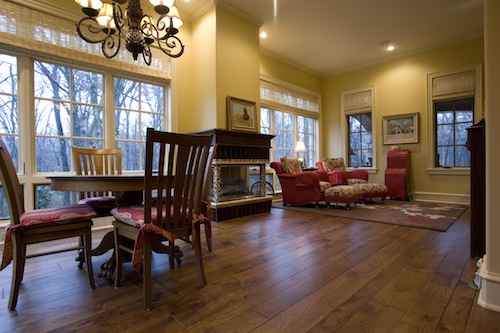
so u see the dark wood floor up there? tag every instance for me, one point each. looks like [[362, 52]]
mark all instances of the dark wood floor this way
[[276, 272]]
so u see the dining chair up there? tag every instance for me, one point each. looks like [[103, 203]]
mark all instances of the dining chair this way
[[37, 226], [100, 161], [175, 170]]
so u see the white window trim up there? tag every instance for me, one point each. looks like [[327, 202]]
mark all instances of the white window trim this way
[[431, 137], [343, 126]]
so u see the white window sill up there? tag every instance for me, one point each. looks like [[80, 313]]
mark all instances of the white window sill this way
[[449, 171]]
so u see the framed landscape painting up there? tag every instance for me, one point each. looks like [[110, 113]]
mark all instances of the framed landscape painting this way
[[401, 128], [241, 115]]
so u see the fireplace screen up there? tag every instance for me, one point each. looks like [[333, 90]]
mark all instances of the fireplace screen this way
[[233, 182]]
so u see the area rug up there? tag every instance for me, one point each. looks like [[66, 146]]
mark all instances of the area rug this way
[[434, 216]]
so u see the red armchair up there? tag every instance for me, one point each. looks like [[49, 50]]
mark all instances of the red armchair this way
[[337, 173], [299, 188]]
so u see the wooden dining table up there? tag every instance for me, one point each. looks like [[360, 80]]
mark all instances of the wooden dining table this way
[[127, 188]]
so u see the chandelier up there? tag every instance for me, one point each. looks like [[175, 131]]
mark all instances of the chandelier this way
[[108, 24]]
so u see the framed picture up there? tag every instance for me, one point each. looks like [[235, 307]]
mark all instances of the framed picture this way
[[401, 128], [242, 115]]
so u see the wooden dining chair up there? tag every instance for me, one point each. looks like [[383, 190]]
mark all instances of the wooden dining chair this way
[[37, 226], [100, 161], [175, 170]]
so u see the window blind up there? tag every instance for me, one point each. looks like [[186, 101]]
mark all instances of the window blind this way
[[36, 34], [453, 85], [358, 102], [289, 99]]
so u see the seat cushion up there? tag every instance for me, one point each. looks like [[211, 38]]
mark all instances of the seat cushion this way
[[342, 194], [54, 216], [100, 202], [372, 190]]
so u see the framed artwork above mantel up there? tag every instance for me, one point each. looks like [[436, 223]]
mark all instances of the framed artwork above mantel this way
[[242, 115], [402, 128]]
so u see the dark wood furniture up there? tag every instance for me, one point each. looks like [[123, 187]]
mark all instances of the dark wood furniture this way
[[175, 173], [476, 145], [39, 226], [238, 155]]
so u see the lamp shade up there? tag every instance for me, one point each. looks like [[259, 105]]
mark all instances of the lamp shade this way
[[300, 147], [94, 4]]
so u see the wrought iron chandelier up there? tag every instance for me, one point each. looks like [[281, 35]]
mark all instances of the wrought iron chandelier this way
[[107, 23]]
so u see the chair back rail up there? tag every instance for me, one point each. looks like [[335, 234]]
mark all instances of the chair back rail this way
[[100, 161]]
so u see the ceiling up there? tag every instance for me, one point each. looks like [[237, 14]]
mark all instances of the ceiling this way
[[326, 37]]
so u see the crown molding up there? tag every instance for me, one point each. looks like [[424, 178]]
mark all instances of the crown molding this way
[[239, 13]]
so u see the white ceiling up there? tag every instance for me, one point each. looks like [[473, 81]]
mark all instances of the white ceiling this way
[[326, 37]]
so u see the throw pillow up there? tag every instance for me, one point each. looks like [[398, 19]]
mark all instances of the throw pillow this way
[[330, 164], [291, 165]]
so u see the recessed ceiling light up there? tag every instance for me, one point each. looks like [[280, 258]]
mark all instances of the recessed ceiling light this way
[[263, 34], [387, 45]]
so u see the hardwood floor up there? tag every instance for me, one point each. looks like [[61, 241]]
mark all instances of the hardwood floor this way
[[276, 272]]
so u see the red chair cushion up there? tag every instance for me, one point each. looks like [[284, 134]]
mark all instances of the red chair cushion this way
[[54, 216]]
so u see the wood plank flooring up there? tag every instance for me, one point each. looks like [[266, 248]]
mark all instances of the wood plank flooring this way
[[277, 272]]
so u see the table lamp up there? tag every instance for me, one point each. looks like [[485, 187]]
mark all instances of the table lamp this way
[[300, 148]]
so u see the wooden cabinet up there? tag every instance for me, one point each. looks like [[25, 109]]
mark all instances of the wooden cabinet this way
[[397, 174], [475, 143]]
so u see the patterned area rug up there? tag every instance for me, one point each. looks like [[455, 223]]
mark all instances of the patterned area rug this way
[[427, 215]]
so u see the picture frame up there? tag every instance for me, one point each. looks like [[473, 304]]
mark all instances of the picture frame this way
[[402, 128], [242, 115]]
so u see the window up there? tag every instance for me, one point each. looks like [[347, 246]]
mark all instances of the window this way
[[360, 140], [137, 107], [69, 108], [68, 111], [454, 98], [452, 120], [357, 106], [291, 114]]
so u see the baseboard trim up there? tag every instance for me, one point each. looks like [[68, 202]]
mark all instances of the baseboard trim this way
[[489, 295], [451, 198]]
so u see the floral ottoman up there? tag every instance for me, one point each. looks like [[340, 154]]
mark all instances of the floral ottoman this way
[[342, 194]]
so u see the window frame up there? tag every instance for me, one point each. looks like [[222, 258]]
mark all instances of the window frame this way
[[431, 120], [344, 125]]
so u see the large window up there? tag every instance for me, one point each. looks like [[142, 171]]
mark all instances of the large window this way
[[137, 107], [68, 111], [454, 101], [452, 120], [64, 106], [357, 106], [360, 140]]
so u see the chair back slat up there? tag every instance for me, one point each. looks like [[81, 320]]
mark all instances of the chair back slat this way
[[174, 178], [10, 184], [100, 161]]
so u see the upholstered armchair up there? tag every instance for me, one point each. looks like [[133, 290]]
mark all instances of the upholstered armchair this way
[[298, 188], [337, 173]]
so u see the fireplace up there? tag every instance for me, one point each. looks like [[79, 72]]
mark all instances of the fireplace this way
[[237, 186]]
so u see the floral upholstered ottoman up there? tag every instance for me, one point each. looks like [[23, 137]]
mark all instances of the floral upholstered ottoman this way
[[342, 194], [372, 190]]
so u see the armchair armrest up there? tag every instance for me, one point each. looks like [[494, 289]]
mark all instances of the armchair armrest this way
[[359, 174]]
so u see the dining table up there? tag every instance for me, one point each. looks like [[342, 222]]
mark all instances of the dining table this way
[[127, 188]]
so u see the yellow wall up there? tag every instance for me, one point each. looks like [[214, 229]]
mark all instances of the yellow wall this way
[[400, 87], [287, 73], [237, 62]]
